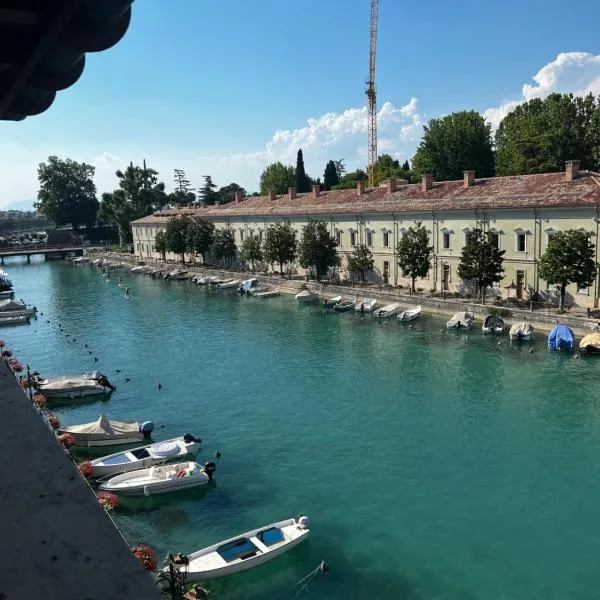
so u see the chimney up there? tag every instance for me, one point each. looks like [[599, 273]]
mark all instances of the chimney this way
[[316, 190], [292, 193], [426, 182], [272, 195], [360, 187], [391, 185], [238, 197], [572, 169], [468, 178]]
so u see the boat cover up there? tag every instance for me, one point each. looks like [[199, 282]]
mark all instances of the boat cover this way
[[592, 341], [493, 321], [105, 427], [165, 449], [463, 317], [11, 305], [522, 327], [67, 383], [561, 338]]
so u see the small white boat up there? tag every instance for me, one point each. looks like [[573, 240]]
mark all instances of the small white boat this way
[[461, 320], [306, 296], [265, 293], [345, 305], [14, 320], [177, 274], [215, 280], [81, 259], [145, 456], [141, 269], [12, 308], [228, 285], [7, 294], [108, 433], [366, 305], [492, 324], [521, 331], [75, 386], [410, 314], [331, 302], [247, 550], [389, 310], [160, 479], [248, 285]]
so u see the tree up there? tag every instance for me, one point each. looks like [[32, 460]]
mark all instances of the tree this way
[[251, 250], [67, 193], [340, 168], [569, 258], [227, 193], [481, 261], [349, 180], [330, 177], [360, 261], [279, 244], [317, 248], [278, 177], [183, 191], [199, 236], [160, 244], [453, 144], [176, 235], [223, 247], [115, 212], [414, 253], [207, 192], [540, 135], [303, 182]]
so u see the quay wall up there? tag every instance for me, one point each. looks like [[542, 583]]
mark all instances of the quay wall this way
[[57, 541]]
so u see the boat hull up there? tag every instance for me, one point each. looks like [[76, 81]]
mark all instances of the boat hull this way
[[74, 393]]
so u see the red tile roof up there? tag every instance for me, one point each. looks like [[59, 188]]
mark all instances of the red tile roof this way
[[545, 190]]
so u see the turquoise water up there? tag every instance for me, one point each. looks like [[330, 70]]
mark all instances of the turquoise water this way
[[433, 465]]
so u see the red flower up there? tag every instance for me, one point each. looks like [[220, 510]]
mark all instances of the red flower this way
[[85, 468], [17, 367], [41, 400], [54, 422], [6, 353], [107, 500], [146, 556], [66, 439]]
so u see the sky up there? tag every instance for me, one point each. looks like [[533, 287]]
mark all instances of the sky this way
[[225, 87]]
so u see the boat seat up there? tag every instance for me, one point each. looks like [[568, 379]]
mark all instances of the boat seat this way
[[271, 536]]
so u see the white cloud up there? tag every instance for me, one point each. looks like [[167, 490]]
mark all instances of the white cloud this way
[[571, 72]]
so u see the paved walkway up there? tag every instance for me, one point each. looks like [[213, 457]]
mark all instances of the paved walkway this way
[[56, 542]]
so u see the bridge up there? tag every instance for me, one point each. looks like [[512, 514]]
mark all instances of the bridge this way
[[50, 251]]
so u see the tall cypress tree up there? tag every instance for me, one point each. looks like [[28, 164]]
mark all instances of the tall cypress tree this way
[[302, 181], [330, 177]]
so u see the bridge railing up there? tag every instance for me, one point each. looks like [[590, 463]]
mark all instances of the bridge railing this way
[[39, 247]]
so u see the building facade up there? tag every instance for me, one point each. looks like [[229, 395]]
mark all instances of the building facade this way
[[523, 212]]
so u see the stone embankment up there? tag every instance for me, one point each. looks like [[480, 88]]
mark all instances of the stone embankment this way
[[542, 318], [57, 541]]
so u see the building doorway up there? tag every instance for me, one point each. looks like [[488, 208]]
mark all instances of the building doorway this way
[[386, 271], [445, 277], [520, 284]]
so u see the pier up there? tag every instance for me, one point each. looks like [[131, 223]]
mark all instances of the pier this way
[[50, 251]]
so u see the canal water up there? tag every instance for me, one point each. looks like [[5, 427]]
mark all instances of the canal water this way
[[432, 465]]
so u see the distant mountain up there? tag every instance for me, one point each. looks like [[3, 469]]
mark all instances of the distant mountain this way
[[19, 205]]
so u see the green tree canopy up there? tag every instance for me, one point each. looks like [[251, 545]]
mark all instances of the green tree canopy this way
[[453, 144], [227, 193], [160, 244], [360, 261], [414, 253], [279, 245], [251, 250], [540, 135], [349, 180], [176, 235], [317, 248], [481, 261], [207, 193], [569, 258], [223, 248], [278, 177], [330, 177], [67, 193], [303, 181], [199, 236], [117, 213]]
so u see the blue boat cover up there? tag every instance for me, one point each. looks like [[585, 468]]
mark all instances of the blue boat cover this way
[[561, 338]]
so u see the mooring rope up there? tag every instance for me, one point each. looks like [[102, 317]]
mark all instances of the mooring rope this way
[[320, 568]]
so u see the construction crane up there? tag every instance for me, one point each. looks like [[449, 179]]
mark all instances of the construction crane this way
[[372, 98]]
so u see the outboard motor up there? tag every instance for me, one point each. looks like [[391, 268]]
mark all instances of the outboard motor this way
[[302, 521], [188, 438], [146, 428], [209, 469]]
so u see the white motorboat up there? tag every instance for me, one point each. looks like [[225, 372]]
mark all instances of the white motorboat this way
[[493, 324], [138, 269], [366, 305], [247, 550], [12, 308], [229, 284], [345, 305], [160, 479], [108, 433], [215, 280], [14, 320], [249, 285], [389, 310], [81, 259], [331, 302], [7, 294], [177, 274], [461, 320], [410, 314], [307, 296], [146, 456], [75, 386], [521, 331], [265, 293]]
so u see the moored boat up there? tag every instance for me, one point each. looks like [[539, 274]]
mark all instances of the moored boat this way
[[521, 331], [104, 432], [145, 456], [75, 386], [176, 274], [493, 324], [366, 305], [345, 305], [389, 310], [561, 338], [265, 293], [247, 550], [230, 284], [14, 320], [160, 479], [12, 308], [590, 344], [331, 302], [410, 314], [306, 296], [461, 320], [249, 285]]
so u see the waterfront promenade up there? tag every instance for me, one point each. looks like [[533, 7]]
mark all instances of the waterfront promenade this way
[[57, 542]]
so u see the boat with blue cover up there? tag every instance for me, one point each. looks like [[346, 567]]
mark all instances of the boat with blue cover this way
[[561, 338]]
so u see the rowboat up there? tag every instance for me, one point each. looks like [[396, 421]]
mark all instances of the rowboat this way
[[345, 305], [410, 314], [561, 338], [493, 324], [306, 296], [103, 432], [75, 386], [461, 320], [160, 480], [521, 331], [366, 305], [229, 284], [246, 551], [590, 344], [331, 302], [265, 293], [146, 456], [387, 311]]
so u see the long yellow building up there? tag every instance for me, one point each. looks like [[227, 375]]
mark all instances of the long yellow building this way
[[522, 211]]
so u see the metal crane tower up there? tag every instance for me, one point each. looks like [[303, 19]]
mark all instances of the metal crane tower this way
[[372, 98]]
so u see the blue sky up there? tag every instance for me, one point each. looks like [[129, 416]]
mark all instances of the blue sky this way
[[223, 87]]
